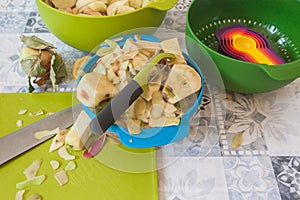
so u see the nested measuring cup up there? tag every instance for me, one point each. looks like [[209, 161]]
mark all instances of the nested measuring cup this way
[[277, 21]]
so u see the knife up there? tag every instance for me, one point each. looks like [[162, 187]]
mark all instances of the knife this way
[[122, 101], [23, 139]]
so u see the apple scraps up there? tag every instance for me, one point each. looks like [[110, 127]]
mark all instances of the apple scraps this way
[[160, 103], [32, 169], [98, 8]]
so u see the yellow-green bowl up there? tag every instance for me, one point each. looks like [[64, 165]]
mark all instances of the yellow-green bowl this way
[[87, 32]]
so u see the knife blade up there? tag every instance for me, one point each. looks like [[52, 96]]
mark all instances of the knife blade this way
[[23, 139]]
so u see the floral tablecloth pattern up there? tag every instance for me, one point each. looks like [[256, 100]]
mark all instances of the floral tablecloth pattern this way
[[204, 165]]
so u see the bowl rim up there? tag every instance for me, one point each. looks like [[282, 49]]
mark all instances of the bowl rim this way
[[149, 6], [277, 72]]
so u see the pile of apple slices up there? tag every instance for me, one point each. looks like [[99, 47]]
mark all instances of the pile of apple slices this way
[[160, 103], [98, 7]]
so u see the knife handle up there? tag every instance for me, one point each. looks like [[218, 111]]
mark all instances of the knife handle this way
[[116, 107]]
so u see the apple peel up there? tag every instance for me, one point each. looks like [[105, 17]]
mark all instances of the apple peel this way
[[35, 197], [61, 177], [63, 153], [32, 169], [58, 140], [37, 113], [36, 180], [95, 147], [19, 123], [22, 111], [19, 195], [70, 166], [54, 164], [46, 133]]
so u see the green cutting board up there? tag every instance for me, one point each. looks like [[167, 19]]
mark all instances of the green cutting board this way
[[92, 179]]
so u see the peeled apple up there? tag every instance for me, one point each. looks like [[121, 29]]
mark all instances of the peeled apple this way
[[93, 88]]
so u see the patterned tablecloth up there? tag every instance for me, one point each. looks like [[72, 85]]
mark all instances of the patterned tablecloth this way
[[203, 165]]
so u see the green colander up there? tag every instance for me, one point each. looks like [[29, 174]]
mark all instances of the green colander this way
[[277, 20]]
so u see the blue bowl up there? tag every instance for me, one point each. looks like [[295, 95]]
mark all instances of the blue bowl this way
[[150, 137]]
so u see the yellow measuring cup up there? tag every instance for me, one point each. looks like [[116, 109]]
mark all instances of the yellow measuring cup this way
[[248, 45]]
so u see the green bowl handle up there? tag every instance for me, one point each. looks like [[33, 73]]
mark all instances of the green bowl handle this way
[[284, 72], [162, 4]]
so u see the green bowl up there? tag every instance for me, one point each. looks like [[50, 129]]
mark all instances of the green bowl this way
[[87, 32], [276, 20]]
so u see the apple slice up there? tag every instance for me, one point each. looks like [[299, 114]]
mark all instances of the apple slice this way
[[32, 169], [172, 46], [59, 140], [36, 180], [93, 88], [183, 80], [63, 153], [61, 177], [79, 132]]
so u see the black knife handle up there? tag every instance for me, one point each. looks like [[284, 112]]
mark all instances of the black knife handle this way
[[116, 107]]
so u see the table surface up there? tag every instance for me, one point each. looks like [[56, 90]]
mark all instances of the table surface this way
[[203, 165]]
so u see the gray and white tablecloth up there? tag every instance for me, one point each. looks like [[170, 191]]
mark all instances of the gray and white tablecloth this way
[[203, 165]]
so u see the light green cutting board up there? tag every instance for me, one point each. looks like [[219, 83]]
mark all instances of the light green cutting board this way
[[91, 179]]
